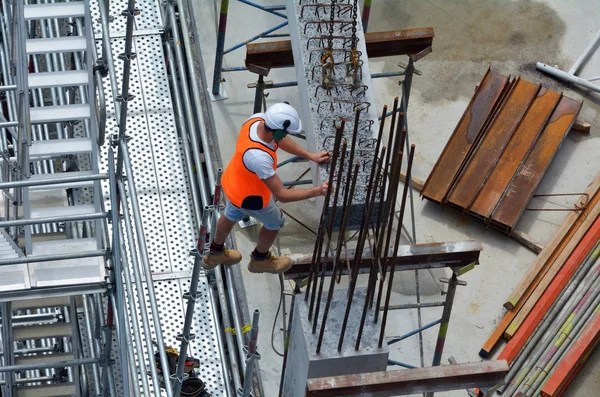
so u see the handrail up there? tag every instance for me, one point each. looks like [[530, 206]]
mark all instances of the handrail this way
[[101, 116]]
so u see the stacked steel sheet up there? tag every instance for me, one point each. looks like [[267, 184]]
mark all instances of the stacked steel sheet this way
[[500, 149], [553, 322]]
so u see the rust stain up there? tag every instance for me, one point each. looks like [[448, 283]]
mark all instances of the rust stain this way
[[458, 146], [527, 178], [491, 146], [515, 153]]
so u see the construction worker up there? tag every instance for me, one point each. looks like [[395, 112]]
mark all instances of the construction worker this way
[[250, 181]]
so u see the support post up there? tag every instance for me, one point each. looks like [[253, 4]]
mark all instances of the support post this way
[[251, 356], [216, 88], [366, 12]]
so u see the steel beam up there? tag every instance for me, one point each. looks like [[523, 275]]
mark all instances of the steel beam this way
[[278, 54], [454, 254], [413, 381]]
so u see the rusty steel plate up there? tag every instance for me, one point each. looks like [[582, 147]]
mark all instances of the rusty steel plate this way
[[491, 146], [515, 153], [464, 136], [529, 175]]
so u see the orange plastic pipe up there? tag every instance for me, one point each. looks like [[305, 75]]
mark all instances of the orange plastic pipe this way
[[554, 289]]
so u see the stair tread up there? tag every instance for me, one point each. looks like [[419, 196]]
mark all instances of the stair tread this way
[[58, 79], [54, 10], [59, 147], [55, 330], [63, 246], [55, 390], [54, 114], [60, 211], [43, 358], [65, 185], [56, 44], [39, 303]]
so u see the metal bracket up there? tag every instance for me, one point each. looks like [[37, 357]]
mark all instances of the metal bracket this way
[[446, 280], [181, 337]]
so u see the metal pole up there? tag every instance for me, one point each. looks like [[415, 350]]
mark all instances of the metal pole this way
[[220, 47], [567, 77], [251, 356], [191, 297], [116, 258], [189, 110], [196, 94], [141, 240], [183, 132], [286, 347], [365, 14], [585, 56], [259, 93]]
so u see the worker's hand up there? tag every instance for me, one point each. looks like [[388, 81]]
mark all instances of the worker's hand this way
[[324, 188], [321, 157]]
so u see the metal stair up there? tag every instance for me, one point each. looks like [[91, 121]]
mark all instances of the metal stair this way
[[69, 63], [55, 152]]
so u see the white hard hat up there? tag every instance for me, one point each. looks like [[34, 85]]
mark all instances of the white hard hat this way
[[277, 115]]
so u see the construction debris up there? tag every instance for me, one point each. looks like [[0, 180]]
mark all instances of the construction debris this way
[[555, 304], [500, 149]]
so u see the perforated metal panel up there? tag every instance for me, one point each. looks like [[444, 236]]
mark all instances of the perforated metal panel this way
[[162, 189], [148, 18]]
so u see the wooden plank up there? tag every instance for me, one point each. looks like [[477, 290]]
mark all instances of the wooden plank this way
[[560, 239], [582, 126], [591, 213], [490, 148], [278, 54], [411, 381], [417, 184], [519, 339], [517, 195], [574, 360], [527, 283], [515, 153], [527, 241], [464, 136]]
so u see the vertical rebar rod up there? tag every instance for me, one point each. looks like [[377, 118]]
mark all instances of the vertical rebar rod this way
[[334, 206], [324, 213], [338, 251], [396, 245], [191, 297], [358, 255], [372, 273], [220, 47]]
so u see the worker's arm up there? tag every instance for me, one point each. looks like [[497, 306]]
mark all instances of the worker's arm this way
[[287, 144], [289, 195]]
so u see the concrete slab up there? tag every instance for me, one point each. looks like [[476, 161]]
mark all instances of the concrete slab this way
[[470, 35]]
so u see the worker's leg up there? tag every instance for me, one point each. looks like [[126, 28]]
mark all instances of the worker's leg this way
[[218, 252], [262, 261], [266, 238], [224, 227]]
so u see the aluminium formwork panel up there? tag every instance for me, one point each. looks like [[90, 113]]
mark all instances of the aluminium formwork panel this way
[[163, 194]]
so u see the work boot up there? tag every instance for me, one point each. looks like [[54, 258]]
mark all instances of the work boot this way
[[225, 257], [271, 264]]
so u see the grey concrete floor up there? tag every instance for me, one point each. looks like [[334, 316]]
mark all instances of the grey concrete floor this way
[[470, 36]]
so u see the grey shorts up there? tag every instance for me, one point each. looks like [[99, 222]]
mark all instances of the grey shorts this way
[[271, 216]]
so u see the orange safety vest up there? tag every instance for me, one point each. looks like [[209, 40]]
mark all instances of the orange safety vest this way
[[244, 188]]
